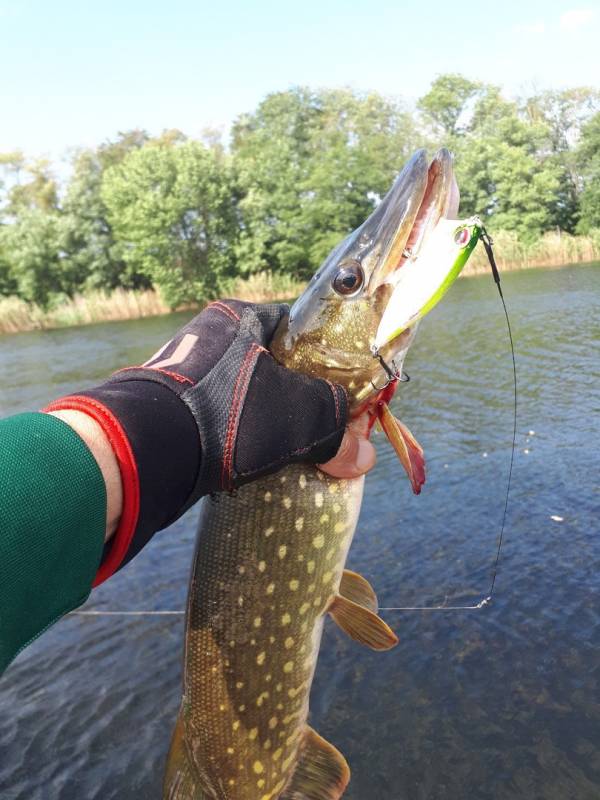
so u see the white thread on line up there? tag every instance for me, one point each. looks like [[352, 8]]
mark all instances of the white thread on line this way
[[486, 601], [482, 603]]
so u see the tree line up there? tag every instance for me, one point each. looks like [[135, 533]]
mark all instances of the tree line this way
[[301, 171]]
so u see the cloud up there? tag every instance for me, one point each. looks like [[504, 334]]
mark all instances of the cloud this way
[[537, 27], [576, 18]]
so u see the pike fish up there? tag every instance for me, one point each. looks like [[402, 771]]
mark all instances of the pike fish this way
[[270, 559]]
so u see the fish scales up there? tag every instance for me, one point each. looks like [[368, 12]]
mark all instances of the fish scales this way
[[268, 563], [269, 560]]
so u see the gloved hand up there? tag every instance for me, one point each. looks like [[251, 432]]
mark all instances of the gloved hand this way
[[211, 410]]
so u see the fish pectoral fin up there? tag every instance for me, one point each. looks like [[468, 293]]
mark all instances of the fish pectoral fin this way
[[179, 783], [321, 772], [362, 624], [409, 451], [358, 589]]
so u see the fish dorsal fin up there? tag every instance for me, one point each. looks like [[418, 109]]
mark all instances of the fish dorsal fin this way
[[362, 624], [358, 589], [321, 772], [407, 448]]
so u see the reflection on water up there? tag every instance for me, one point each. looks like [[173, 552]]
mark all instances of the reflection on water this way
[[501, 703]]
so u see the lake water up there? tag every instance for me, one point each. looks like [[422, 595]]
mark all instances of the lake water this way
[[496, 704]]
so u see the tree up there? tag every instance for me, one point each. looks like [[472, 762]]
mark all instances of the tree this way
[[8, 284], [446, 103], [563, 113], [503, 170], [171, 205], [310, 166], [11, 165], [111, 153], [588, 160], [92, 256], [28, 241], [39, 192], [32, 255]]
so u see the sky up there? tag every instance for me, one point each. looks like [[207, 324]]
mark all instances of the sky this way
[[75, 73]]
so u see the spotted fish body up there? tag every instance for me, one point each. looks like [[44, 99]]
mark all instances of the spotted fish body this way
[[269, 560], [268, 565]]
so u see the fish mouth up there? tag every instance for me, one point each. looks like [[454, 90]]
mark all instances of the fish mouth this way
[[318, 332], [423, 193]]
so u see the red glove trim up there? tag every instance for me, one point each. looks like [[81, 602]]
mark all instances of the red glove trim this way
[[239, 394], [129, 476]]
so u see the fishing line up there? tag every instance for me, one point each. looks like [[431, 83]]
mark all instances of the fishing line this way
[[125, 613], [488, 245], [392, 374]]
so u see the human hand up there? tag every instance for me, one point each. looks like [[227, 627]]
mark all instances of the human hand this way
[[212, 410], [356, 454]]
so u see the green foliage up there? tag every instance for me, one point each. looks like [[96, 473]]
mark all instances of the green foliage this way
[[563, 113], [446, 102], [40, 191], [31, 250], [503, 168], [310, 166], [92, 255], [8, 284], [191, 217], [171, 206], [588, 159]]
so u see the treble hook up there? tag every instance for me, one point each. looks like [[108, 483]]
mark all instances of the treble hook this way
[[393, 373]]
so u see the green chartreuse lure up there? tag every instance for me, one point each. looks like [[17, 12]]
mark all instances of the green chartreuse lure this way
[[425, 278]]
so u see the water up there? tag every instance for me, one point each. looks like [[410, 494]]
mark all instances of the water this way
[[496, 704]]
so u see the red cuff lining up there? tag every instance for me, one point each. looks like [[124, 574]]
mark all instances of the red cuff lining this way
[[129, 476]]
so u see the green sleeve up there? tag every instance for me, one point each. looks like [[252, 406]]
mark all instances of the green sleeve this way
[[52, 522]]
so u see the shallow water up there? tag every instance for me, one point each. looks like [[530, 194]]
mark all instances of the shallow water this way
[[496, 704]]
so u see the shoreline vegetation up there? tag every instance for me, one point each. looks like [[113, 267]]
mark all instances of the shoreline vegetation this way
[[17, 316], [143, 224]]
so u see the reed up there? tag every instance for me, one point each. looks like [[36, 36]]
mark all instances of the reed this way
[[17, 315], [550, 250], [264, 287]]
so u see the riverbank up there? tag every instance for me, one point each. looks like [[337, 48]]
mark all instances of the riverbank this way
[[17, 316], [551, 250]]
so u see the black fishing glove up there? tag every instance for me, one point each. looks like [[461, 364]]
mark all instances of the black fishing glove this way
[[211, 410]]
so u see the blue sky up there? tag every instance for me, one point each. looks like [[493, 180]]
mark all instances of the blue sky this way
[[74, 73]]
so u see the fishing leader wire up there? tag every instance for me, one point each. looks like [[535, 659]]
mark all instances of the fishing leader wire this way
[[488, 245], [393, 374]]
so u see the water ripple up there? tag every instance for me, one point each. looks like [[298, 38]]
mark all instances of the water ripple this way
[[500, 704]]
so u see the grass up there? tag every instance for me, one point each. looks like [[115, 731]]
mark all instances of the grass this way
[[550, 250]]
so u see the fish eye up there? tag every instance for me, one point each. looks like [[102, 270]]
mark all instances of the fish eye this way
[[349, 279]]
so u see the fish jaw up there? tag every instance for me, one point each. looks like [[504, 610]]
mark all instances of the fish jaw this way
[[332, 335]]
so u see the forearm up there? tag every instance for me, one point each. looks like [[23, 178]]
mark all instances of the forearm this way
[[53, 504], [98, 444], [209, 412]]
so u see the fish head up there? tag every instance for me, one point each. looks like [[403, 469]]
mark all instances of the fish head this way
[[364, 302]]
